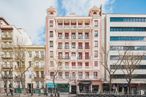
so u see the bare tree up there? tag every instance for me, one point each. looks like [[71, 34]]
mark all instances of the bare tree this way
[[131, 62], [55, 74], [109, 68], [20, 68]]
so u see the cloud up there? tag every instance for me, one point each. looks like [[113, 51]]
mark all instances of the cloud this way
[[81, 7], [30, 14]]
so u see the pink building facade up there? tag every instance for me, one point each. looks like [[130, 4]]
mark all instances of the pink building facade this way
[[73, 45]]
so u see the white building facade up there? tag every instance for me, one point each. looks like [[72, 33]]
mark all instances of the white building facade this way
[[126, 33]]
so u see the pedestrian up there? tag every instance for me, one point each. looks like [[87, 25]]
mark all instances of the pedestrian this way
[[11, 89], [5, 88]]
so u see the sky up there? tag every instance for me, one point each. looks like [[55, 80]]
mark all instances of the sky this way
[[30, 14]]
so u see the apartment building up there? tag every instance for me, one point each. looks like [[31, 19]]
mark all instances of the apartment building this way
[[72, 51], [19, 57], [126, 33], [34, 64]]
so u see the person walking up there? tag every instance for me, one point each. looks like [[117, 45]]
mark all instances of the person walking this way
[[11, 89]]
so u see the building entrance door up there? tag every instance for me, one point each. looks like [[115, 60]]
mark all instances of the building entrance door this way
[[73, 89], [30, 87]]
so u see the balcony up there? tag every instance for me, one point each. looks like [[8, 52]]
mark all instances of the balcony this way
[[39, 78], [59, 47], [37, 68], [38, 58], [6, 46], [7, 77], [6, 68], [20, 68], [6, 37], [7, 56]]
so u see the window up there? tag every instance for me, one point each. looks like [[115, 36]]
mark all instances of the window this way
[[37, 73], [60, 35], [127, 47], [73, 75], [51, 23], [95, 23], [67, 75], [42, 74], [30, 54], [80, 74], [95, 74], [73, 35], [73, 45], [42, 54], [80, 45], [51, 54], [127, 29], [96, 63], [51, 74], [96, 33], [51, 43], [86, 74], [86, 55], [60, 74], [66, 55], [127, 38], [51, 33], [95, 43], [66, 35], [59, 64], [80, 36], [59, 45], [37, 84], [67, 65], [86, 64], [73, 55], [80, 55], [73, 65], [60, 56], [127, 19], [86, 35], [51, 64], [66, 45], [86, 45], [79, 64], [95, 54]]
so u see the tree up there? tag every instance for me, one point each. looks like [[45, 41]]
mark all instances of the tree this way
[[131, 62], [54, 75], [20, 68], [109, 68]]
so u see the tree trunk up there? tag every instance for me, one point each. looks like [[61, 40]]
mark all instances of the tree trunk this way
[[129, 86], [110, 85]]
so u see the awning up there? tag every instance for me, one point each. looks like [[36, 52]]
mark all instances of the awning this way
[[51, 85]]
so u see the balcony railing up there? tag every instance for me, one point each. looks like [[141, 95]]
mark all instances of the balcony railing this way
[[39, 78], [39, 58], [6, 68], [37, 68], [5, 37], [73, 26], [7, 46], [7, 56], [20, 68]]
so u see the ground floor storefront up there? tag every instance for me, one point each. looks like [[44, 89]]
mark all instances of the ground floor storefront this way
[[122, 88], [80, 86]]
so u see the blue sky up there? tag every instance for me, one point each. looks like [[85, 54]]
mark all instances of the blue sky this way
[[30, 14]]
